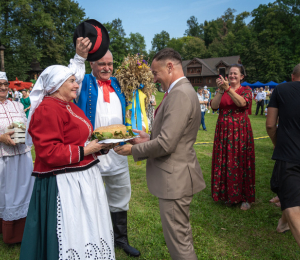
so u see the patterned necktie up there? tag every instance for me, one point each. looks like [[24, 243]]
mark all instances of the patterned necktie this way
[[106, 89], [155, 112]]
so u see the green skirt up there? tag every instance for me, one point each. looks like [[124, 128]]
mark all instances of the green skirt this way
[[40, 237]]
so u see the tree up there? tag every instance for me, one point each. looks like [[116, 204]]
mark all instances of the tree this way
[[160, 41], [194, 29], [194, 47], [41, 30], [273, 27], [136, 43], [178, 43], [118, 42]]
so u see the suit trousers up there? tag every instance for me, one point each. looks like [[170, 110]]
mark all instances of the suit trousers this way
[[118, 191], [175, 218]]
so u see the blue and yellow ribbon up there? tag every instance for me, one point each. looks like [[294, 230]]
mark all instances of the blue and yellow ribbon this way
[[136, 108]]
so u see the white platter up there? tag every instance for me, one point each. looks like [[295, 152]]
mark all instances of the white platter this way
[[114, 141]]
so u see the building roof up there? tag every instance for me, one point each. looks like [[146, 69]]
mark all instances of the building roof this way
[[209, 65]]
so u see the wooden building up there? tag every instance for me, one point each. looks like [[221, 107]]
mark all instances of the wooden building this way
[[204, 72]]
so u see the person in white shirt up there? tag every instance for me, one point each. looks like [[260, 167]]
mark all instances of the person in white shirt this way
[[16, 95], [209, 98], [203, 102], [260, 100], [15, 170], [20, 96]]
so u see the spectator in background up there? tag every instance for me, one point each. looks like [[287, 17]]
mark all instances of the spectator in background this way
[[10, 95], [233, 162], [260, 100], [150, 111], [267, 99], [271, 91], [25, 100], [209, 98], [285, 181], [203, 102], [206, 96], [255, 91], [16, 166], [16, 95], [30, 89]]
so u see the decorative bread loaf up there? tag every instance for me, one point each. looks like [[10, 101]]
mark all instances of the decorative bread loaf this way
[[111, 129], [112, 132]]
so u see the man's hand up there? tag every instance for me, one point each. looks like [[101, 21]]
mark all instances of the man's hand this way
[[5, 138], [124, 149], [144, 137], [83, 46]]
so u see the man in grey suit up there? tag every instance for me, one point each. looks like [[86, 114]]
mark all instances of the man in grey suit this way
[[173, 172]]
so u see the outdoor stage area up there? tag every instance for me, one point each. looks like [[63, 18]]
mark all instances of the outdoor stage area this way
[[219, 232]]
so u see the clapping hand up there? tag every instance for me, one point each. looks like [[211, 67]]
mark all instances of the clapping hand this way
[[223, 84], [83, 45]]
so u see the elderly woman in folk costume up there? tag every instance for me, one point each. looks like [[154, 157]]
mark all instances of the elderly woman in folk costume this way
[[68, 217], [16, 183]]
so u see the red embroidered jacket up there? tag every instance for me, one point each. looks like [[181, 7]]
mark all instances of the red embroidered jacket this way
[[59, 131]]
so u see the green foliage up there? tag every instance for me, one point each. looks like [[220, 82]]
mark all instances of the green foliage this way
[[269, 45], [160, 41], [189, 47], [195, 47], [194, 29], [41, 30], [118, 43], [136, 44]]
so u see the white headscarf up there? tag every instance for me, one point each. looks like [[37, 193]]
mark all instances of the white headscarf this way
[[48, 82], [3, 75]]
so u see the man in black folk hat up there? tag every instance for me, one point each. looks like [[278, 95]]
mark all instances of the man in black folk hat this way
[[102, 101]]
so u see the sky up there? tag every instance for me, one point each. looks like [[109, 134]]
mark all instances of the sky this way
[[151, 17]]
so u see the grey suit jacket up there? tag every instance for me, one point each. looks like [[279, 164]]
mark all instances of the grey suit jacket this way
[[172, 169]]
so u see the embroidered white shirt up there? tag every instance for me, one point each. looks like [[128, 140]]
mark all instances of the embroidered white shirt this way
[[11, 111]]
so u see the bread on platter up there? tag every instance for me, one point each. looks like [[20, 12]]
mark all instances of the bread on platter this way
[[117, 131]]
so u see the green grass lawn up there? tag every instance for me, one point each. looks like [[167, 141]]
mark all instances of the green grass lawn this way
[[219, 232]]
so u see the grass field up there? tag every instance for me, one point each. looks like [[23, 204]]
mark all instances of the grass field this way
[[219, 232]]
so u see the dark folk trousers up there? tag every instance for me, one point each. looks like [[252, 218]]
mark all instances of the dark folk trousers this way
[[259, 104]]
